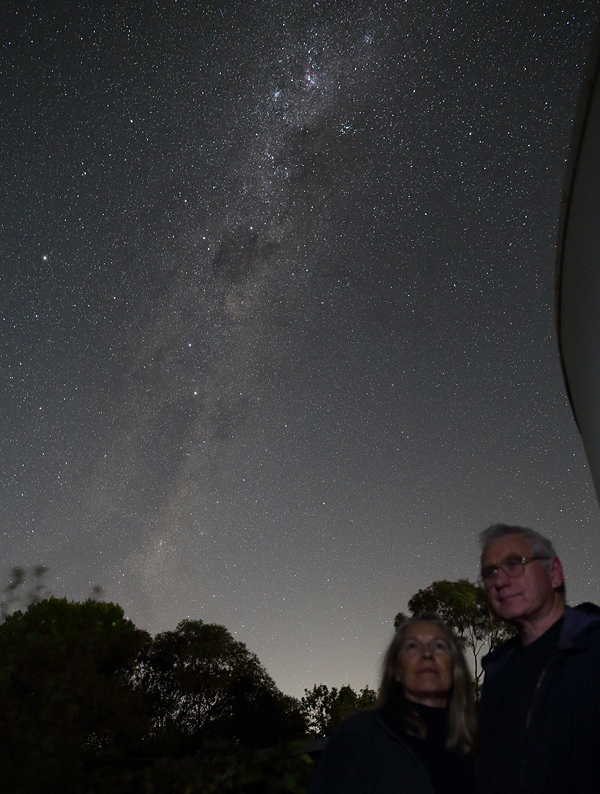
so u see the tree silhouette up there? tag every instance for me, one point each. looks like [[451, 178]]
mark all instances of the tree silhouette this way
[[325, 708], [200, 681], [66, 698]]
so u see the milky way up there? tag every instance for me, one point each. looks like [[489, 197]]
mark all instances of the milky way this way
[[277, 306]]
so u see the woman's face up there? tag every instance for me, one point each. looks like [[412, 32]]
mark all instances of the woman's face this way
[[424, 666]]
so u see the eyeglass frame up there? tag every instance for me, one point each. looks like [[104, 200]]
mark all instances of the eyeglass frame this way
[[494, 570]]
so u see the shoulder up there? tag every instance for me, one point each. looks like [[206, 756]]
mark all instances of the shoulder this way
[[350, 763], [581, 627], [587, 608], [365, 723], [499, 653], [362, 756], [368, 734]]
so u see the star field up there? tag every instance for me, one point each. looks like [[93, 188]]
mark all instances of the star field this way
[[277, 309]]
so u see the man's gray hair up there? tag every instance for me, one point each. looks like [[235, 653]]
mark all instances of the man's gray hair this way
[[540, 545]]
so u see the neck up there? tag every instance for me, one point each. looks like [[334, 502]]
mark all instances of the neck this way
[[531, 629], [434, 701]]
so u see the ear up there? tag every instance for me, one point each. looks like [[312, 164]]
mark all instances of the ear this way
[[556, 572]]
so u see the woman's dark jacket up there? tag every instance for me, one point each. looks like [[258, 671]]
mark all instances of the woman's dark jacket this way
[[365, 756], [561, 754]]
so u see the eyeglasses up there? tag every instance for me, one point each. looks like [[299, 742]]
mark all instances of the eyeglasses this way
[[511, 566]]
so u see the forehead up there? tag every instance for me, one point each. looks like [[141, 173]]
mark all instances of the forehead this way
[[506, 546], [423, 630]]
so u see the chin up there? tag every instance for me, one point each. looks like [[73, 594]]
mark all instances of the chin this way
[[507, 610], [509, 615]]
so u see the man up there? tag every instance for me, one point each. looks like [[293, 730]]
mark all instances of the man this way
[[539, 716]]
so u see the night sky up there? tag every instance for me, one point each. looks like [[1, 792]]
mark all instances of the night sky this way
[[277, 308]]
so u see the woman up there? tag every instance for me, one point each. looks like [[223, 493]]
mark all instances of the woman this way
[[420, 737]]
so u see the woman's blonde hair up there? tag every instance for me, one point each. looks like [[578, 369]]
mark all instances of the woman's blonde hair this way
[[462, 734]]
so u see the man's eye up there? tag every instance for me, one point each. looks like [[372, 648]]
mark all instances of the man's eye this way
[[513, 564]]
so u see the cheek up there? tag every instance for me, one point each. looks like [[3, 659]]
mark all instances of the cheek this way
[[493, 597]]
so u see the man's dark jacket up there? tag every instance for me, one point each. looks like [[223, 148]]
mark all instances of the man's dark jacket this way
[[363, 756], [562, 745]]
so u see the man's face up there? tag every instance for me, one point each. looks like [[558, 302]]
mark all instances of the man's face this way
[[528, 596]]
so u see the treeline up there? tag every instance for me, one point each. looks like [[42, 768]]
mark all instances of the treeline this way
[[90, 703]]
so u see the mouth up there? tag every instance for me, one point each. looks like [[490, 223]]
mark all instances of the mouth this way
[[508, 597]]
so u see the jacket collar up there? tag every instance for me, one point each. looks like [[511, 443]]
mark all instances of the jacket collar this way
[[572, 636]]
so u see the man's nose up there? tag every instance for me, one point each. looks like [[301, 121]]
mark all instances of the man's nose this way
[[501, 579], [426, 651]]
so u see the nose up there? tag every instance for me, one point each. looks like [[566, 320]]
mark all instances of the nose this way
[[426, 652], [501, 580]]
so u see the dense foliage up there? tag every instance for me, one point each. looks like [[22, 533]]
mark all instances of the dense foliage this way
[[325, 708], [201, 682], [65, 693], [91, 704]]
